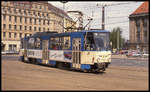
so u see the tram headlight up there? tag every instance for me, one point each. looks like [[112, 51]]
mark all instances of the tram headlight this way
[[95, 34]]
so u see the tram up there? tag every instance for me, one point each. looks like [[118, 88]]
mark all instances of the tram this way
[[86, 50]]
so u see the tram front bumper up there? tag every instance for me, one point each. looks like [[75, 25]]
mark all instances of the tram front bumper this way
[[101, 66]]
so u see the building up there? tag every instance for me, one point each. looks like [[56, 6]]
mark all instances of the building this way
[[139, 28], [24, 18]]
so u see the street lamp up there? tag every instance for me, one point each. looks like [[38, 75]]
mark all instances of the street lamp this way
[[64, 2]]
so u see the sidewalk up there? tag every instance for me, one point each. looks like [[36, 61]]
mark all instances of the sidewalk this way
[[125, 57]]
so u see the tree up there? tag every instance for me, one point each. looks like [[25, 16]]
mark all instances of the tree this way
[[116, 38]]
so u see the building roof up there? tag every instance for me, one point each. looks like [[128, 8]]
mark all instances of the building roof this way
[[58, 11], [143, 8], [51, 7]]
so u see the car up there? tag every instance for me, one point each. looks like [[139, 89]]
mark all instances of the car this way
[[145, 55], [133, 53], [9, 52]]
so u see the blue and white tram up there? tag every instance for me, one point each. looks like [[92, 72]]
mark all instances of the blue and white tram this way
[[87, 50]]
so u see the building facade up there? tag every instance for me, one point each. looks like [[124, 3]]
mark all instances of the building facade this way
[[139, 28], [24, 18]]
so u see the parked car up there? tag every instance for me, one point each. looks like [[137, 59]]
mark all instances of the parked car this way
[[133, 53], [145, 55]]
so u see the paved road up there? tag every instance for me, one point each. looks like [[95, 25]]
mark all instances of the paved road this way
[[23, 76], [130, 62], [115, 61]]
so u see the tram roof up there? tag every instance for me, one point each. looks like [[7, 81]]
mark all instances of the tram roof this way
[[41, 34], [94, 31], [84, 31]]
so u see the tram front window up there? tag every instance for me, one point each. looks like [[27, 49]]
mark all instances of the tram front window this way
[[97, 41]]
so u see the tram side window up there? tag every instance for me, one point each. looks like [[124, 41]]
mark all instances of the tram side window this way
[[31, 44], [54, 43], [66, 43], [89, 43], [37, 43], [60, 43]]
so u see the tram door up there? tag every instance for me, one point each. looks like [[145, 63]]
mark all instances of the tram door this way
[[45, 55], [76, 46], [25, 50]]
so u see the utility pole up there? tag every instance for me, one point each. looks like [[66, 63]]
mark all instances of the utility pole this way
[[103, 14], [118, 40], [103, 18], [103, 11]]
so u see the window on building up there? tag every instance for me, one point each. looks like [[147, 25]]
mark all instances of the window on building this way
[[9, 35], [138, 31], [39, 29], [9, 26], [30, 20], [20, 19], [15, 35], [25, 12], [34, 28], [20, 35], [12, 47], [15, 18], [29, 12], [34, 21], [39, 21], [9, 10], [43, 22], [4, 17], [15, 10], [19, 11], [145, 29], [25, 20], [45, 8], [43, 15], [9, 18], [48, 22], [15, 27], [33, 12], [4, 26], [4, 34], [25, 27], [25, 35], [20, 27], [43, 29], [30, 28], [39, 14]]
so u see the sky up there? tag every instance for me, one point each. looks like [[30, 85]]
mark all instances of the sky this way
[[115, 15]]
